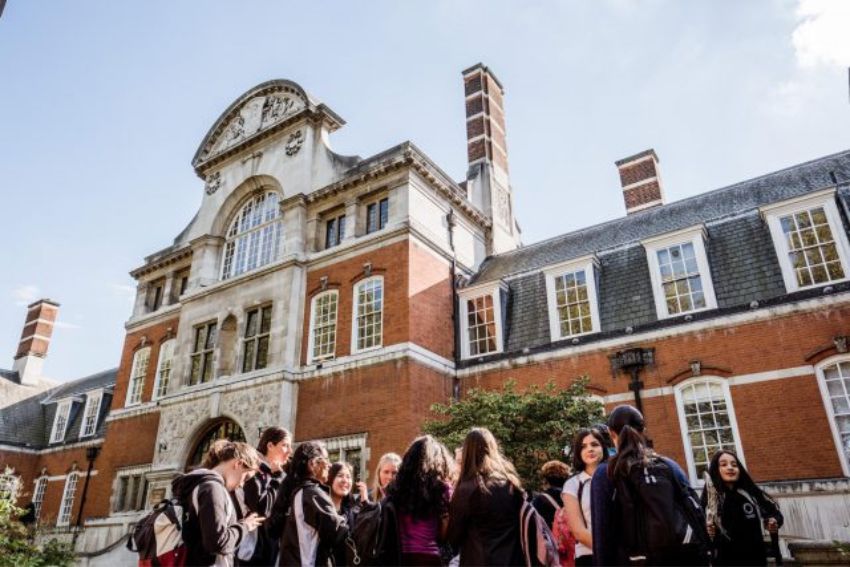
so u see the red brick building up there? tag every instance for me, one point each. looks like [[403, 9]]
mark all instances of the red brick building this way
[[340, 297]]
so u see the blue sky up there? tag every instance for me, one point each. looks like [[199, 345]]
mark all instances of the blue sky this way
[[104, 103]]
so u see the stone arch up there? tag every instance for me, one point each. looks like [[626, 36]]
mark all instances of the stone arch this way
[[222, 427]]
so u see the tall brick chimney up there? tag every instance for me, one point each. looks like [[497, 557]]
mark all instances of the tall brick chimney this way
[[487, 180], [641, 181], [35, 339]]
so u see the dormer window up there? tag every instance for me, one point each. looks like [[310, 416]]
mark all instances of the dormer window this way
[[810, 241], [481, 320], [678, 267], [90, 413], [253, 238], [60, 421], [571, 296]]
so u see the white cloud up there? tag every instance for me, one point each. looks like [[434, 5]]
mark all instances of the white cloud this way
[[822, 35], [25, 294]]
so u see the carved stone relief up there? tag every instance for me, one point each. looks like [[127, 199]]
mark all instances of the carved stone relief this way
[[213, 183], [294, 143], [255, 115]]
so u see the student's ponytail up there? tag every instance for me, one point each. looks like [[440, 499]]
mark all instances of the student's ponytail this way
[[632, 445]]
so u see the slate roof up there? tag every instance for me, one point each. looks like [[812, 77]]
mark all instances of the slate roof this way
[[11, 375], [28, 423], [742, 260]]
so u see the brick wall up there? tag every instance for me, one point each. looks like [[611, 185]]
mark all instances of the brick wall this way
[[390, 401], [153, 337], [783, 425]]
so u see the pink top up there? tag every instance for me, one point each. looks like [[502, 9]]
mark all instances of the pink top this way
[[420, 535]]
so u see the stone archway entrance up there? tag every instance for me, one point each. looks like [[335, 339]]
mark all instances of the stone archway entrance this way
[[223, 428]]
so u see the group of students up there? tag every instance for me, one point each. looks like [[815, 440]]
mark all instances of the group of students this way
[[275, 506]]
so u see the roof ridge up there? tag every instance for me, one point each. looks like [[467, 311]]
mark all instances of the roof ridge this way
[[678, 202]]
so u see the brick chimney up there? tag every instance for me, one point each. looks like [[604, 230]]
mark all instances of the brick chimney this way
[[35, 340], [641, 181], [487, 181]]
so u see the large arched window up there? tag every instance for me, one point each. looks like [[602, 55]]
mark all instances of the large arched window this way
[[253, 238], [707, 420], [834, 382], [223, 429]]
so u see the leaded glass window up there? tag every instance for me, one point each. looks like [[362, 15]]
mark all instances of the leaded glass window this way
[[481, 325], [680, 279], [202, 353], [255, 349], [323, 333], [573, 304], [709, 426], [369, 313], [837, 380], [253, 238], [813, 252]]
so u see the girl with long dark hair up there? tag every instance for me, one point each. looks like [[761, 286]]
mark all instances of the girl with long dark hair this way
[[484, 511], [312, 528], [421, 493], [621, 509], [742, 508], [589, 450]]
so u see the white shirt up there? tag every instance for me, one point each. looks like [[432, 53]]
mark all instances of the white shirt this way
[[571, 487]]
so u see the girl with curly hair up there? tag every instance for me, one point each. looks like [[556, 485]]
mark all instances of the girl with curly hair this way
[[421, 493]]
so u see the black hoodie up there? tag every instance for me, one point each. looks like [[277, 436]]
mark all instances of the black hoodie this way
[[211, 532]]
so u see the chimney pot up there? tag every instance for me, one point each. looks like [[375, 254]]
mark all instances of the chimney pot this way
[[640, 179]]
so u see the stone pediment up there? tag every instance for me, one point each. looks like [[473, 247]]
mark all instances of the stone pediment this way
[[258, 111]]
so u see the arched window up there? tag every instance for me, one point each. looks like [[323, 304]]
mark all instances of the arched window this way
[[163, 368], [834, 382], [38, 495], [223, 429], [137, 377], [253, 238], [707, 421], [68, 499]]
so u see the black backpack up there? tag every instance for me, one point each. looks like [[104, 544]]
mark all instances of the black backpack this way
[[373, 538], [659, 517]]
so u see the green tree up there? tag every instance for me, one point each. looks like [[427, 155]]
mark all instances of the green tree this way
[[532, 426], [17, 548]]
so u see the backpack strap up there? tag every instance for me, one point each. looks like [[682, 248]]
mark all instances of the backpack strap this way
[[581, 486], [551, 501]]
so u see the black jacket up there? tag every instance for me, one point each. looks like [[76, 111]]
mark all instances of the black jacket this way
[[312, 528], [258, 496], [544, 506], [742, 515], [211, 532], [484, 525]]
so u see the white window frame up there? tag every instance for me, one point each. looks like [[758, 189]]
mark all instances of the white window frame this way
[[683, 425], [493, 289], [772, 215], [38, 492], [66, 506], [695, 236], [57, 434], [588, 264], [830, 412], [163, 348], [129, 401], [348, 442], [94, 399], [356, 303], [311, 339]]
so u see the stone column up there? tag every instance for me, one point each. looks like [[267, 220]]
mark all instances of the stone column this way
[[294, 212], [352, 208]]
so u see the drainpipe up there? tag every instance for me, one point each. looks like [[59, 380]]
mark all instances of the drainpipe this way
[[91, 455], [450, 221]]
